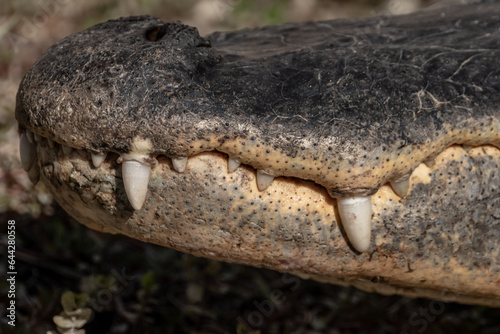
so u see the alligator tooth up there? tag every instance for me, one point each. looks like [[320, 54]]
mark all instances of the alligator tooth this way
[[98, 159], [51, 143], [356, 215], [66, 149], [27, 152], [29, 134], [232, 165], [34, 174], [135, 180], [37, 138], [401, 186], [263, 180], [179, 164]]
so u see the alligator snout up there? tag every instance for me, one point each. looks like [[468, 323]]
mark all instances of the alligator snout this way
[[321, 149]]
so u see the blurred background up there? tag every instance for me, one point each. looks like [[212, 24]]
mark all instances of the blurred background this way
[[132, 287]]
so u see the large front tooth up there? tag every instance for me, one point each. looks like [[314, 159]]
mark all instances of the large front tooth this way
[[179, 164], [401, 186], [27, 152], [98, 159], [263, 180], [232, 165], [135, 180], [356, 216]]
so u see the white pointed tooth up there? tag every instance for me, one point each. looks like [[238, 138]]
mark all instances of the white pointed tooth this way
[[34, 174], [179, 164], [98, 159], [263, 180], [232, 165], [29, 134], [51, 143], [356, 216], [27, 152], [66, 149], [135, 181], [401, 186]]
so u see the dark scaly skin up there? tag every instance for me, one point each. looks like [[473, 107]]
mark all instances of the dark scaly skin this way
[[347, 105]]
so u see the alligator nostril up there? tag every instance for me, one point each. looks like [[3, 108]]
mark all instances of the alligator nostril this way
[[154, 34]]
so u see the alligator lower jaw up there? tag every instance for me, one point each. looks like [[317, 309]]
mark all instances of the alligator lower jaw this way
[[440, 241]]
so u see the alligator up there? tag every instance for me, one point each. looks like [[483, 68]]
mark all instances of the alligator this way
[[361, 152]]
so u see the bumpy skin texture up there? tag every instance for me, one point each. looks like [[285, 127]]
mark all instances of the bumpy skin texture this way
[[346, 105]]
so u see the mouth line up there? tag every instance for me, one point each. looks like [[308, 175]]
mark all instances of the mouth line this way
[[354, 212]]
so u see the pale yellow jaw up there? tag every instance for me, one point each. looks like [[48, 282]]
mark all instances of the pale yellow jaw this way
[[355, 212]]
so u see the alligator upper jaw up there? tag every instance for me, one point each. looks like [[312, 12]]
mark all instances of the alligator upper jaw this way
[[348, 110], [437, 242]]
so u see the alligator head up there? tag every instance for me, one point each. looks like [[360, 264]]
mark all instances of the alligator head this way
[[361, 152]]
